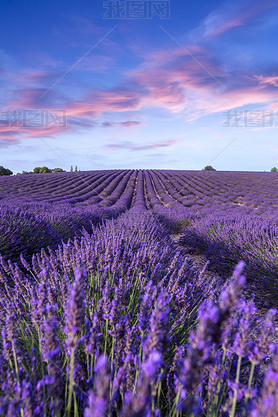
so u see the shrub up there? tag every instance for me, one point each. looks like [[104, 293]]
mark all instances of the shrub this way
[[5, 171], [208, 168]]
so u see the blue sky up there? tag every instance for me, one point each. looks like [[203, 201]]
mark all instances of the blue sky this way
[[80, 86]]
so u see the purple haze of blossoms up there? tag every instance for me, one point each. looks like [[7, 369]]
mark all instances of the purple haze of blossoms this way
[[104, 316]]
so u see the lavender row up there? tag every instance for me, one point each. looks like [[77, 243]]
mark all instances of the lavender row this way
[[226, 237], [115, 189], [257, 191], [227, 234], [139, 200], [29, 227]]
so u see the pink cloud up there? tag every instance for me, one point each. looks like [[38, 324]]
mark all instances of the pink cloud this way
[[13, 134], [37, 78], [130, 123], [234, 99], [99, 102], [231, 15], [168, 76], [35, 98], [116, 146], [199, 86], [132, 147], [79, 114], [163, 144], [273, 106], [224, 27], [264, 79]]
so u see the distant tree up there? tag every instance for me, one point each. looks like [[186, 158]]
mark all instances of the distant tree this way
[[71, 168], [76, 168], [274, 169], [42, 170], [5, 171], [45, 170], [209, 168]]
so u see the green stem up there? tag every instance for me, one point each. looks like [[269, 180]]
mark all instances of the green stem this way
[[76, 414], [106, 335], [158, 393], [42, 371], [176, 401], [88, 364], [17, 373], [111, 382], [140, 360], [251, 375], [236, 391], [15, 362], [71, 382], [224, 389], [238, 369]]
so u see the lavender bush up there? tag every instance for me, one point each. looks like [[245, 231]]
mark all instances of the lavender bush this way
[[119, 323]]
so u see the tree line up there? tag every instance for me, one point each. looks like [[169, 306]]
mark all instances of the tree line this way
[[36, 170], [41, 170], [44, 170]]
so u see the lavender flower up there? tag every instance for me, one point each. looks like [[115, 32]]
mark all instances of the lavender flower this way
[[260, 347], [99, 398], [140, 403], [192, 375], [158, 337], [75, 309], [53, 357], [267, 404]]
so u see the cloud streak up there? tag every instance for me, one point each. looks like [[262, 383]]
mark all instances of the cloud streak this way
[[132, 147], [231, 15]]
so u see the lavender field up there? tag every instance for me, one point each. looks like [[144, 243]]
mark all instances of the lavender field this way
[[104, 314]]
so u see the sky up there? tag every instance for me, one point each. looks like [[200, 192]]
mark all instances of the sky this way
[[139, 84]]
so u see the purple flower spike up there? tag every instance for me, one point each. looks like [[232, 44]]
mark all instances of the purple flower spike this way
[[159, 337], [139, 403], [99, 398], [260, 348], [75, 309], [267, 404]]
